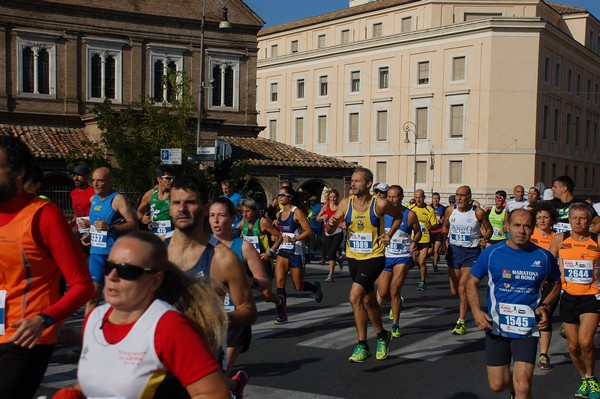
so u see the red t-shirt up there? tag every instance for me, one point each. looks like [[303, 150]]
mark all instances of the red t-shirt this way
[[80, 201], [177, 344]]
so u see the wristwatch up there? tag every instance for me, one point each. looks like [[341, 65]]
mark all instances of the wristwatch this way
[[545, 306], [48, 321]]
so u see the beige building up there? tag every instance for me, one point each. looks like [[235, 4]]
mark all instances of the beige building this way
[[493, 93]]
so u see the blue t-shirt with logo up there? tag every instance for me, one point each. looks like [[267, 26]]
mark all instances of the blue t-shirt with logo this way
[[515, 279]]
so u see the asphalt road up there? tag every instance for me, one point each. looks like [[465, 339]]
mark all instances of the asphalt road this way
[[308, 356]]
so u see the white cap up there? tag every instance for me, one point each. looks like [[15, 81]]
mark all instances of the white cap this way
[[548, 195], [383, 187]]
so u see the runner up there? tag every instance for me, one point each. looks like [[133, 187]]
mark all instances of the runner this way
[[37, 247], [381, 190], [154, 207], [427, 219], [398, 257], [498, 218], [435, 234], [365, 249], [220, 217], [578, 251], [545, 217], [516, 271], [294, 227], [257, 232], [533, 197], [462, 225], [197, 254], [562, 190], [331, 242], [518, 201], [110, 216], [80, 203]]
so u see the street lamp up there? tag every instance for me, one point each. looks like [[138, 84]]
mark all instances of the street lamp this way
[[224, 24], [411, 127]]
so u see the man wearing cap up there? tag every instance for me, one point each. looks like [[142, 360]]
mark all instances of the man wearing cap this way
[[80, 199], [533, 196], [427, 220], [381, 190], [154, 207]]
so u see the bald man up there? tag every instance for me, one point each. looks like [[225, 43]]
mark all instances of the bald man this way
[[110, 216]]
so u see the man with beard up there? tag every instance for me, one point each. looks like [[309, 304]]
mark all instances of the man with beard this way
[[37, 247]]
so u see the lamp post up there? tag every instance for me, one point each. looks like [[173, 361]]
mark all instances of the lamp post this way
[[224, 24], [411, 127]]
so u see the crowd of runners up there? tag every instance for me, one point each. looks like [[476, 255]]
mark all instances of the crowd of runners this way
[[168, 286]]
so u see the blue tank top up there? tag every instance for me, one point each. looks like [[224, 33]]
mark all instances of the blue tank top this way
[[289, 227], [400, 242], [202, 267], [102, 241]]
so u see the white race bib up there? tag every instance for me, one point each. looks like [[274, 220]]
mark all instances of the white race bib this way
[[161, 227], [254, 241], [2, 312], [561, 227], [516, 319], [288, 245], [79, 222], [98, 238], [228, 303], [361, 243], [578, 271]]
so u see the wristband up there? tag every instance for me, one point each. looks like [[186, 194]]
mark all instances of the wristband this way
[[544, 306], [47, 320], [270, 252], [254, 283]]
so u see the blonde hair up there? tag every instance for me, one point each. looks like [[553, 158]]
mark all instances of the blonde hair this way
[[196, 299]]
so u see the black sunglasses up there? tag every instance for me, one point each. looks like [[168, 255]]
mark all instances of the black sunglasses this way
[[126, 271]]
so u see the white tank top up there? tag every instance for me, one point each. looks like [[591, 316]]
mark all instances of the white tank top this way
[[464, 228], [127, 369]]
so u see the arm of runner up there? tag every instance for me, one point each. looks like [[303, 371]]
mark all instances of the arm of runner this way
[[555, 244], [446, 228], [53, 233], [413, 222], [255, 265], [334, 221], [121, 205], [144, 207], [482, 319], [383, 206], [301, 218], [320, 216], [227, 269], [267, 228], [432, 220], [485, 223], [595, 226]]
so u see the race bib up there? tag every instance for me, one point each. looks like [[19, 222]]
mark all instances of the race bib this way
[[423, 228], [2, 312], [161, 227], [496, 233], [361, 243], [561, 227], [288, 245], [254, 241], [398, 244], [516, 319], [228, 303], [80, 227], [98, 238], [578, 271], [460, 239]]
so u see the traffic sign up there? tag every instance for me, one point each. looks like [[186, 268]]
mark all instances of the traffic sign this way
[[170, 156], [206, 151]]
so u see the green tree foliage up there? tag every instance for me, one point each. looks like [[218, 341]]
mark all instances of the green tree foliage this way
[[135, 136]]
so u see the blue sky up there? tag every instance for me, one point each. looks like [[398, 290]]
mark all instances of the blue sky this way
[[275, 12]]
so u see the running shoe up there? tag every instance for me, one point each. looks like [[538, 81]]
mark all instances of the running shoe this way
[[460, 328], [562, 331], [511, 396], [341, 262], [435, 268], [422, 286], [543, 362], [391, 314], [584, 389], [593, 388], [280, 320], [241, 377], [329, 279], [395, 330], [318, 293], [360, 354], [383, 346], [281, 311]]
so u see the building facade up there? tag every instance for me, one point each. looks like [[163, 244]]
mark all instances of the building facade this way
[[438, 93]]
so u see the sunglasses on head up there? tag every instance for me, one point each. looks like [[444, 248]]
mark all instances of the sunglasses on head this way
[[126, 271], [499, 197], [167, 177], [281, 195]]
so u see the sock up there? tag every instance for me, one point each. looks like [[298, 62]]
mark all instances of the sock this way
[[364, 343], [281, 291], [309, 287], [382, 335], [461, 320]]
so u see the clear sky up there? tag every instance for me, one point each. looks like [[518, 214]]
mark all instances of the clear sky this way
[[275, 12]]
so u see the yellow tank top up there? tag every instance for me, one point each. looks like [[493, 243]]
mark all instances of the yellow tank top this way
[[427, 217], [363, 232]]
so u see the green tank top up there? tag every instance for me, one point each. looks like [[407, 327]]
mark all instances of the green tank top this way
[[497, 222], [258, 240], [159, 209]]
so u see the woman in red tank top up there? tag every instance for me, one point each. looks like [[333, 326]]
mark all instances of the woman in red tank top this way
[[331, 242]]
